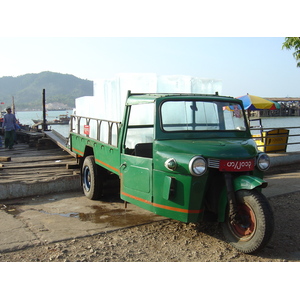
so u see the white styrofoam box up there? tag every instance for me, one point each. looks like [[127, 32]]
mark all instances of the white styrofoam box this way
[[137, 83], [110, 95], [83, 104], [197, 86], [98, 85], [218, 87], [173, 84], [206, 86], [112, 100]]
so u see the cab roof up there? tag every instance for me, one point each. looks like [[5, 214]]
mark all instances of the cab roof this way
[[134, 99]]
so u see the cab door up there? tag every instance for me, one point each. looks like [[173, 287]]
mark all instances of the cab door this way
[[136, 179], [136, 167]]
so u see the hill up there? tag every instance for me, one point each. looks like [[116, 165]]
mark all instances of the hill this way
[[27, 90]]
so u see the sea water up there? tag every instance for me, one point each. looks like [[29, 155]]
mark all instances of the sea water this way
[[26, 117]]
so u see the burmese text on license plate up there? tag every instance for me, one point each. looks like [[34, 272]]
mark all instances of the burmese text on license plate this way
[[237, 165]]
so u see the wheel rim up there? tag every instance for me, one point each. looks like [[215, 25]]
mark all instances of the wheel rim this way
[[86, 178], [245, 224]]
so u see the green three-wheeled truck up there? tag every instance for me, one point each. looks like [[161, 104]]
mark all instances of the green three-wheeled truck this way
[[188, 157]]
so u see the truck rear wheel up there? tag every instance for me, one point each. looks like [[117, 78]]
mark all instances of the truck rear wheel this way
[[254, 224], [91, 178]]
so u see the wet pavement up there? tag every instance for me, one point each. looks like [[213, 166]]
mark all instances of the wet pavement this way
[[41, 201], [62, 216]]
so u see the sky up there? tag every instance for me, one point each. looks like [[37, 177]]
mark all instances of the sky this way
[[257, 66], [200, 41]]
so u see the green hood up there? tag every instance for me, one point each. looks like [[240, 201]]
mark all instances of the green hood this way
[[209, 148]]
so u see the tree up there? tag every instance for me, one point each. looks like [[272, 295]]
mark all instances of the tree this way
[[293, 42]]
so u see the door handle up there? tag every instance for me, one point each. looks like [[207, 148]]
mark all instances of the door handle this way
[[124, 165]]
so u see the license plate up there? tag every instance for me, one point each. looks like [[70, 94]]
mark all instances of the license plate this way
[[236, 165]]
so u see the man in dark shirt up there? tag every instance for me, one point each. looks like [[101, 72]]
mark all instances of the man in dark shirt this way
[[9, 125]]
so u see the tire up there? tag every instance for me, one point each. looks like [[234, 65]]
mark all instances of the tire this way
[[91, 179], [256, 227]]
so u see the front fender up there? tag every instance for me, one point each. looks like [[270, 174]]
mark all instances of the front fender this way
[[243, 182], [247, 182]]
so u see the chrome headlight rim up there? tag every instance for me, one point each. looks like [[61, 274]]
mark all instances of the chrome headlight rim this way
[[171, 164], [263, 162], [198, 165]]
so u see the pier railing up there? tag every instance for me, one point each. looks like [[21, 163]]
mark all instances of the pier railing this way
[[102, 130], [275, 139]]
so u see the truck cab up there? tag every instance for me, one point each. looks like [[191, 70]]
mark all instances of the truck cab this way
[[173, 147]]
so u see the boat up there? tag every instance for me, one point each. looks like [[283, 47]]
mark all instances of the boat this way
[[62, 120]]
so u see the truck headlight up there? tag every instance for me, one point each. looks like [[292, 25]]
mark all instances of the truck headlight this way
[[198, 166], [263, 162]]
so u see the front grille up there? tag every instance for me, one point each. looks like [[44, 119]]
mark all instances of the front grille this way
[[213, 163]]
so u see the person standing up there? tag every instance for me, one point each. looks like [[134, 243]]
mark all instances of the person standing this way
[[9, 125]]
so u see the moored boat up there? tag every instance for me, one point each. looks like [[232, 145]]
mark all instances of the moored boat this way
[[62, 120]]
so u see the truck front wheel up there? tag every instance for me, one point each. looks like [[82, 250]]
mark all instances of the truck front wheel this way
[[91, 179], [254, 223]]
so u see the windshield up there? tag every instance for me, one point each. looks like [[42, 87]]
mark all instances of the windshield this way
[[201, 116]]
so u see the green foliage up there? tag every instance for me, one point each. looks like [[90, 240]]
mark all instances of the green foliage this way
[[290, 43], [27, 89]]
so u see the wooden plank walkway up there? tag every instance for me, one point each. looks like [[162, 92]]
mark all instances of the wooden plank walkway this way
[[28, 164]]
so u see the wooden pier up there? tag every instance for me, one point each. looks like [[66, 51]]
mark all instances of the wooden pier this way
[[289, 106], [37, 157], [27, 165]]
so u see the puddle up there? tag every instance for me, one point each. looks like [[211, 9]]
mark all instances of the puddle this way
[[12, 210], [69, 215], [116, 217]]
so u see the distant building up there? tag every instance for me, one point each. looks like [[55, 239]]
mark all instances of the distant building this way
[[289, 106], [56, 106]]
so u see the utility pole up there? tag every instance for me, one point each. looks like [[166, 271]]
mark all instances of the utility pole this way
[[45, 127]]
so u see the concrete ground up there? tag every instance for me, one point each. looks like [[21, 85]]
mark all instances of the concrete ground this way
[[41, 200]]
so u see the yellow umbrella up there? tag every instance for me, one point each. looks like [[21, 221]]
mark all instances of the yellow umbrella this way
[[257, 103]]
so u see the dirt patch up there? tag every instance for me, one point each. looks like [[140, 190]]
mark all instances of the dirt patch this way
[[173, 241]]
